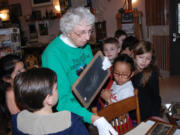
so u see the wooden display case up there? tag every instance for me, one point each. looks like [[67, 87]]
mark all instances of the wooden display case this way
[[132, 26], [100, 28]]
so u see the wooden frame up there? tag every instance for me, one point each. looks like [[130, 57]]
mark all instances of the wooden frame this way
[[43, 28], [91, 80], [161, 128], [37, 3]]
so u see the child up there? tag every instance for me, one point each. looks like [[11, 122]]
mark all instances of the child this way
[[122, 88], [111, 48], [36, 91], [10, 66], [128, 45], [120, 35], [146, 80]]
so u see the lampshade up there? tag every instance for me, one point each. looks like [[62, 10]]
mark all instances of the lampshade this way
[[4, 15]]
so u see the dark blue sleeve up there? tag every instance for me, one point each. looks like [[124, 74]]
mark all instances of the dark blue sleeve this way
[[78, 127], [14, 124], [15, 130]]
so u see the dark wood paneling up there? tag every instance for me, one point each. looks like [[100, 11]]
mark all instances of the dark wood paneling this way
[[156, 12]]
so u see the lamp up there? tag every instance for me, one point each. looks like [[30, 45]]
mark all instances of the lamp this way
[[57, 10], [57, 7], [134, 1], [4, 14]]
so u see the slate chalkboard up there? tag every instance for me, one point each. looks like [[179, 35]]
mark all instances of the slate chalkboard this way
[[91, 80]]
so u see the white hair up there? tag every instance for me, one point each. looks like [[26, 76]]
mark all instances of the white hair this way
[[75, 16]]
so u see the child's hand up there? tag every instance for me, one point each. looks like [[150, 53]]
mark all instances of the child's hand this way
[[106, 95]]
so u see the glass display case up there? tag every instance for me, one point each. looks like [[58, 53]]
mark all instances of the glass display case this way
[[10, 42]]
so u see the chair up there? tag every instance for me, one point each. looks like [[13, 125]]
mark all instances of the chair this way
[[120, 111]]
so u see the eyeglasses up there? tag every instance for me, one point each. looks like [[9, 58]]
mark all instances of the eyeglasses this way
[[124, 76], [83, 33]]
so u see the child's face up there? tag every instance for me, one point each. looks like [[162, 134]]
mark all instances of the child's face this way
[[121, 39], [54, 95], [19, 67], [122, 72], [143, 60], [127, 51], [111, 51]]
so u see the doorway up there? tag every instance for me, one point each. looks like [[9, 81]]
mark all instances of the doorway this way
[[174, 24]]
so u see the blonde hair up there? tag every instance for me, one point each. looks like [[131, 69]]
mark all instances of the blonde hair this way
[[141, 48]]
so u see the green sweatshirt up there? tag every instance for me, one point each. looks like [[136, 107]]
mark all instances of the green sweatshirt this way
[[65, 61]]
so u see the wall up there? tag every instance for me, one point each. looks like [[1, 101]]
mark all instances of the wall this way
[[53, 25], [105, 10], [108, 9]]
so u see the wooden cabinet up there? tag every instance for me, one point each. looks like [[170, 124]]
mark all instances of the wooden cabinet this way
[[100, 30], [131, 22]]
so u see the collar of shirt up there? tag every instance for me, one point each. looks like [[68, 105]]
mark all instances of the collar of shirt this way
[[66, 40]]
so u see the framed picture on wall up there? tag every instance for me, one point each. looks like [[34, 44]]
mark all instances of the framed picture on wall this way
[[43, 28], [36, 3], [33, 36], [36, 15], [15, 10]]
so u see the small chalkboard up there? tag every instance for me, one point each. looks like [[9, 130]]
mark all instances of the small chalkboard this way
[[91, 80]]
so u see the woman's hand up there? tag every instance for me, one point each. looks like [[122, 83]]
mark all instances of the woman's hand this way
[[104, 128]]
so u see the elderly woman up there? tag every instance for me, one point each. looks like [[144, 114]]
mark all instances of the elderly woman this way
[[65, 54]]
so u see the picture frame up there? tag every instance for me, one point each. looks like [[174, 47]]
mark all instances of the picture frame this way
[[37, 3], [33, 36], [161, 128], [36, 15], [91, 80], [43, 28], [15, 9]]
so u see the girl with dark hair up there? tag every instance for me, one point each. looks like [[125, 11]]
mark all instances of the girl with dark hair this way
[[10, 66], [121, 88], [146, 80]]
